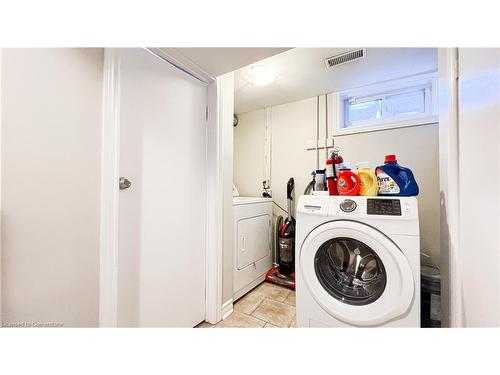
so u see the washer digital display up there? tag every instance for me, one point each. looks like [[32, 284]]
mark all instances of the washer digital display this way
[[384, 207]]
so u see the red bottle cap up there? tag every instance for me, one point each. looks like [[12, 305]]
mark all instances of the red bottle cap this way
[[390, 159]]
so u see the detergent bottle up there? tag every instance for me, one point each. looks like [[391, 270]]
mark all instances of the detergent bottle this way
[[393, 179], [368, 185], [347, 181]]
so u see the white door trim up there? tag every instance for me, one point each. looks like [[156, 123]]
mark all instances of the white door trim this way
[[110, 156], [448, 171], [213, 283], [1, 231], [183, 63], [227, 308]]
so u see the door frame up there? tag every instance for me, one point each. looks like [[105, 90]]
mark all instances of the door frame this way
[[451, 278], [1, 226], [110, 152], [108, 241]]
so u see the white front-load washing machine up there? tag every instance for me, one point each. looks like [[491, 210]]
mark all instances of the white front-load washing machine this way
[[357, 262]]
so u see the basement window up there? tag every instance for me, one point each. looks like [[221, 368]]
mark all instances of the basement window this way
[[404, 102]]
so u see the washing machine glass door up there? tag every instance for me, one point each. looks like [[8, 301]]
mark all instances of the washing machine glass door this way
[[356, 273], [350, 271]]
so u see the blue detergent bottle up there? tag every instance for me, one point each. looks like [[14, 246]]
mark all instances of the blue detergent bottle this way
[[395, 180]]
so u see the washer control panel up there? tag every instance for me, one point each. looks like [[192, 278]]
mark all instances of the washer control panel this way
[[348, 205], [390, 207], [358, 207]]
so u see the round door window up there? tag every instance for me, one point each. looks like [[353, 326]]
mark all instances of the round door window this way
[[350, 271]]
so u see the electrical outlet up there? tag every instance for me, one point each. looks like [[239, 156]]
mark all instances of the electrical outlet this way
[[269, 191]]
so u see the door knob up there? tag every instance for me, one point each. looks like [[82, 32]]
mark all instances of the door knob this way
[[125, 183]]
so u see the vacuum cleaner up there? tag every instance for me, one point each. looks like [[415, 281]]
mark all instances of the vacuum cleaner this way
[[283, 271]]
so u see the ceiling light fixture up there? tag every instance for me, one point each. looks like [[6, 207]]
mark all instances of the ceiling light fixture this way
[[259, 75]]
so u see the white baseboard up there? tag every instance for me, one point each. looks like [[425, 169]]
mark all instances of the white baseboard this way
[[227, 308]]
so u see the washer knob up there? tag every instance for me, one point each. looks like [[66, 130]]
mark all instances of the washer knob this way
[[348, 205]]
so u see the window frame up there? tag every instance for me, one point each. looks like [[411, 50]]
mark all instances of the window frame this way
[[427, 81]]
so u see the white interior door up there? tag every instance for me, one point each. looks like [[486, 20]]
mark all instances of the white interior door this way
[[162, 225]]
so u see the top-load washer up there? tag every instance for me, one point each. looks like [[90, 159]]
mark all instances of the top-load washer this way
[[252, 242], [357, 262]]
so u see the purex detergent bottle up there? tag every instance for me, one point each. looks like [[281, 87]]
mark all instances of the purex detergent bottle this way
[[393, 179]]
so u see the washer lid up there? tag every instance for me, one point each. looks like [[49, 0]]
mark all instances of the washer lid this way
[[250, 200], [356, 273]]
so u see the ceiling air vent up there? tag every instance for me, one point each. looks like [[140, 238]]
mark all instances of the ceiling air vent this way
[[345, 58]]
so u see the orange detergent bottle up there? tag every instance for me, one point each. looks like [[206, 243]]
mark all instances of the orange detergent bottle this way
[[347, 182], [368, 185]]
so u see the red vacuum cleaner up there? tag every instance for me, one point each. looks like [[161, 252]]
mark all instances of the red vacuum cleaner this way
[[283, 271]]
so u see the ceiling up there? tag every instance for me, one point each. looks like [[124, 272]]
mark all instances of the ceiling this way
[[218, 61], [302, 73]]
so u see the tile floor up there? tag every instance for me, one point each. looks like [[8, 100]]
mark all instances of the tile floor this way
[[266, 306]]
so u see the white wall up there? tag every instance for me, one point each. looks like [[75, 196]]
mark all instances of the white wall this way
[[479, 181], [417, 148], [249, 163], [50, 164], [294, 125]]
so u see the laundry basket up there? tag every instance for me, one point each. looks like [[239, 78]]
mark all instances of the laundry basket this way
[[430, 294]]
